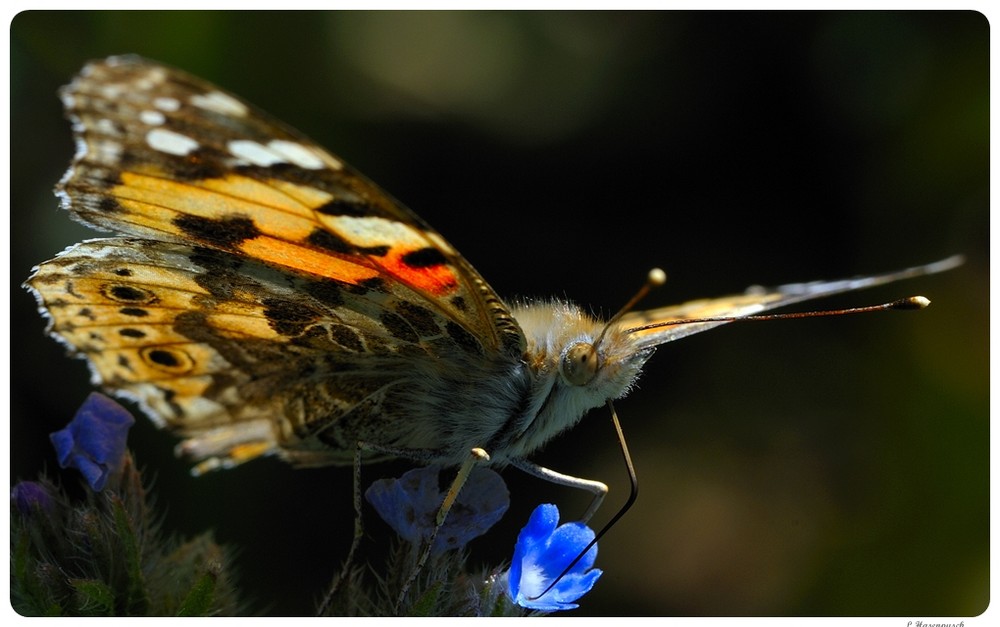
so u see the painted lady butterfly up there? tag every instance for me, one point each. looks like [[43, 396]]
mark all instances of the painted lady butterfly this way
[[268, 299]]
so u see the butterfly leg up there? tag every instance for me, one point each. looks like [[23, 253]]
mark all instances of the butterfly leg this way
[[598, 489], [345, 572]]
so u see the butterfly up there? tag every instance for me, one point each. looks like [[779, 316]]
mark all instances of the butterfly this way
[[261, 297]]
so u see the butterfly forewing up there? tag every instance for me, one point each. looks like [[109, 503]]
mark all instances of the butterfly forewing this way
[[164, 155]]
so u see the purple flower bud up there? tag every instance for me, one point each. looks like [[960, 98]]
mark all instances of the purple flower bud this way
[[29, 496]]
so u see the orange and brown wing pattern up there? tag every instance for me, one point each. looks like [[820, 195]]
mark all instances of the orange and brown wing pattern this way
[[238, 355], [268, 298], [164, 155]]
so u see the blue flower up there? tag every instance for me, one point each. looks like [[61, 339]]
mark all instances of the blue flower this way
[[94, 441], [410, 505], [542, 552]]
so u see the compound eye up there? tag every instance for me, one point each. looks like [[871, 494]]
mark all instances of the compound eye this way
[[579, 364]]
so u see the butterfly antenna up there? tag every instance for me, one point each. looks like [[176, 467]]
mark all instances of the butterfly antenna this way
[[632, 496], [909, 303], [655, 278]]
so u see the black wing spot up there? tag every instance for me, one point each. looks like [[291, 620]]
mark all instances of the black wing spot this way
[[108, 204], [419, 318], [163, 358], [424, 258], [226, 232], [137, 312], [345, 207], [174, 361], [329, 241], [203, 163], [128, 294], [288, 318], [325, 291], [373, 284], [135, 333], [212, 260], [332, 242], [398, 327], [347, 337]]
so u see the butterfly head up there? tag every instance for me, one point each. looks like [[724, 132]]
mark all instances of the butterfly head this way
[[582, 359], [611, 359], [600, 356], [585, 361]]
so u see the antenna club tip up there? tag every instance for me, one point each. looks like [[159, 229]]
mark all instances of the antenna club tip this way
[[656, 277], [913, 302]]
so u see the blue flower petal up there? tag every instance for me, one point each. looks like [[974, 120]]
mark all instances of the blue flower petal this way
[[566, 543], [483, 501], [94, 441], [405, 503], [542, 552], [531, 541], [410, 505]]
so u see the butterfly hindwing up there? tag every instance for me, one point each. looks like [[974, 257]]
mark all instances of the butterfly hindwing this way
[[208, 341]]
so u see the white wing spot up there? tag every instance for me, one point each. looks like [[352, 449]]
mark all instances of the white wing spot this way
[[112, 91], [253, 152], [107, 152], [152, 78], [296, 154], [163, 103], [153, 118], [281, 151], [220, 103], [106, 126], [170, 142], [372, 231]]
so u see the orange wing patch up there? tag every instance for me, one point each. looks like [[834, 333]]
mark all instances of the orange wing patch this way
[[423, 268], [241, 213], [237, 212]]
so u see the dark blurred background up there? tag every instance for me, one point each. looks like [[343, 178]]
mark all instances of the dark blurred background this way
[[819, 467]]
